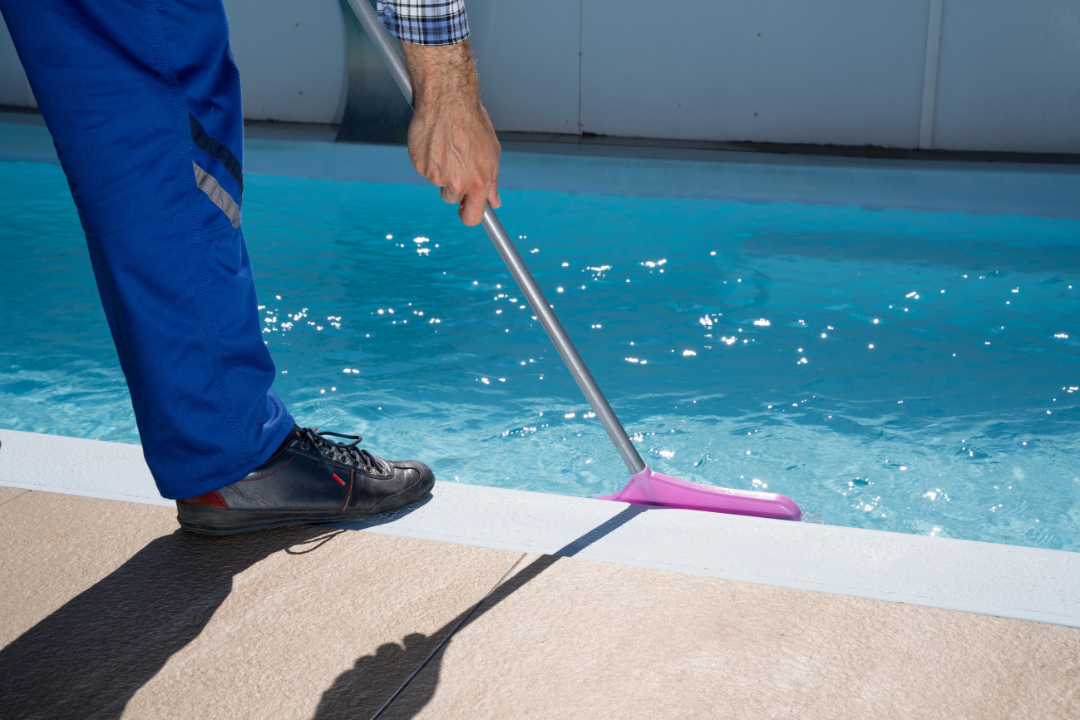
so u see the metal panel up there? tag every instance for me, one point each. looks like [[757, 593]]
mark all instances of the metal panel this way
[[14, 88], [1009, 76], [832, 71], [292, 60], [527, 60]]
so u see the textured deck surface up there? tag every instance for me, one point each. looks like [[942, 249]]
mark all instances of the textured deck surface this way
[[109, 608]]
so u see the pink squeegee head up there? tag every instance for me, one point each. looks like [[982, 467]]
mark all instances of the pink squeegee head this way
[[653, 488]]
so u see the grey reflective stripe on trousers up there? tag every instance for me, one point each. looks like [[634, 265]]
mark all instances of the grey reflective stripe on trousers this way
[[209, 185]]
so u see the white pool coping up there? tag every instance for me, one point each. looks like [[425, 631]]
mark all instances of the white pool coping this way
[[1001, 580]]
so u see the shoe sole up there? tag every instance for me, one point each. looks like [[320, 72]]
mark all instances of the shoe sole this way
[[216, 521]]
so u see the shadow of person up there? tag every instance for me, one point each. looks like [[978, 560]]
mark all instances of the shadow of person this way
[[92, 655], [399, 680], [361, 691]]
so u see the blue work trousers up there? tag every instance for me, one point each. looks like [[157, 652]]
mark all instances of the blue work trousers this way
[[142, 98]]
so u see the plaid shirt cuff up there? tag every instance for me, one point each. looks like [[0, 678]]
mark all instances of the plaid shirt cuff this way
[[425, 22]]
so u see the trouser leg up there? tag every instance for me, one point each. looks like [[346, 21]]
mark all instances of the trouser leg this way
[[143, 102]]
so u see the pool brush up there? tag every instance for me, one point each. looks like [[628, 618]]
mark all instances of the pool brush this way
[[646, 487]]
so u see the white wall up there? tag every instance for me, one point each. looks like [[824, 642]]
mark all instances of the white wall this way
[[292, 58], [291, 55], [14, 89], [527, 59], [848, 72], [836, 71], [1009, 77]]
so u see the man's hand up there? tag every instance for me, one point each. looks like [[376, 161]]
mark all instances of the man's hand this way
[[451, 141]]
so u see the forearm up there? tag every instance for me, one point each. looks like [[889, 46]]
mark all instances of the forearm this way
[[434, 35], [442, 72]]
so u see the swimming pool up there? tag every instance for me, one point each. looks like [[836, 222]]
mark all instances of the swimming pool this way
[[895, 370]]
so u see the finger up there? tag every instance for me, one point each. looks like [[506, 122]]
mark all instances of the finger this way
[[472, 208], [493, 194], [449, 196]]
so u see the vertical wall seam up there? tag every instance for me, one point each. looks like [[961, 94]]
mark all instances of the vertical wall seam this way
[[580, 16], [343, 97], [930, 74]]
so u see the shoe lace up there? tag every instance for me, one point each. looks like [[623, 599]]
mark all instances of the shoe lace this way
[[348, 453]]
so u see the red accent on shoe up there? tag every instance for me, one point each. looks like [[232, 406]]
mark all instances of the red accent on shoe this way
[[340, 481], [352, 479], [210, 499]]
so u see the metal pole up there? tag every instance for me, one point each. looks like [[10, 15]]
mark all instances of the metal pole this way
[[562, 342], [400, 72]]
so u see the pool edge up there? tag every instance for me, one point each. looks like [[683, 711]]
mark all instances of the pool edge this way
[[1005, 581], [1048, 191]]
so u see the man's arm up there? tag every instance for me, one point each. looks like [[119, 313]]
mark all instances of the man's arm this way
[[451, 140]]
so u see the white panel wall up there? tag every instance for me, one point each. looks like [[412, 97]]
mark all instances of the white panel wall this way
[[291, 55], [527, 60], [1009, 76], [292, 58], [831, 71], [848, 72], [14, 89]]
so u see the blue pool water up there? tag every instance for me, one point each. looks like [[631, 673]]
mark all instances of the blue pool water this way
[[914, 372]]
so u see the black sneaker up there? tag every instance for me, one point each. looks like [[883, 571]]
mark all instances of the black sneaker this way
[[308, 480]]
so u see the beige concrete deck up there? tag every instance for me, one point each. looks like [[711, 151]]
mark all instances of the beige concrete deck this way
[[110, 610]]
